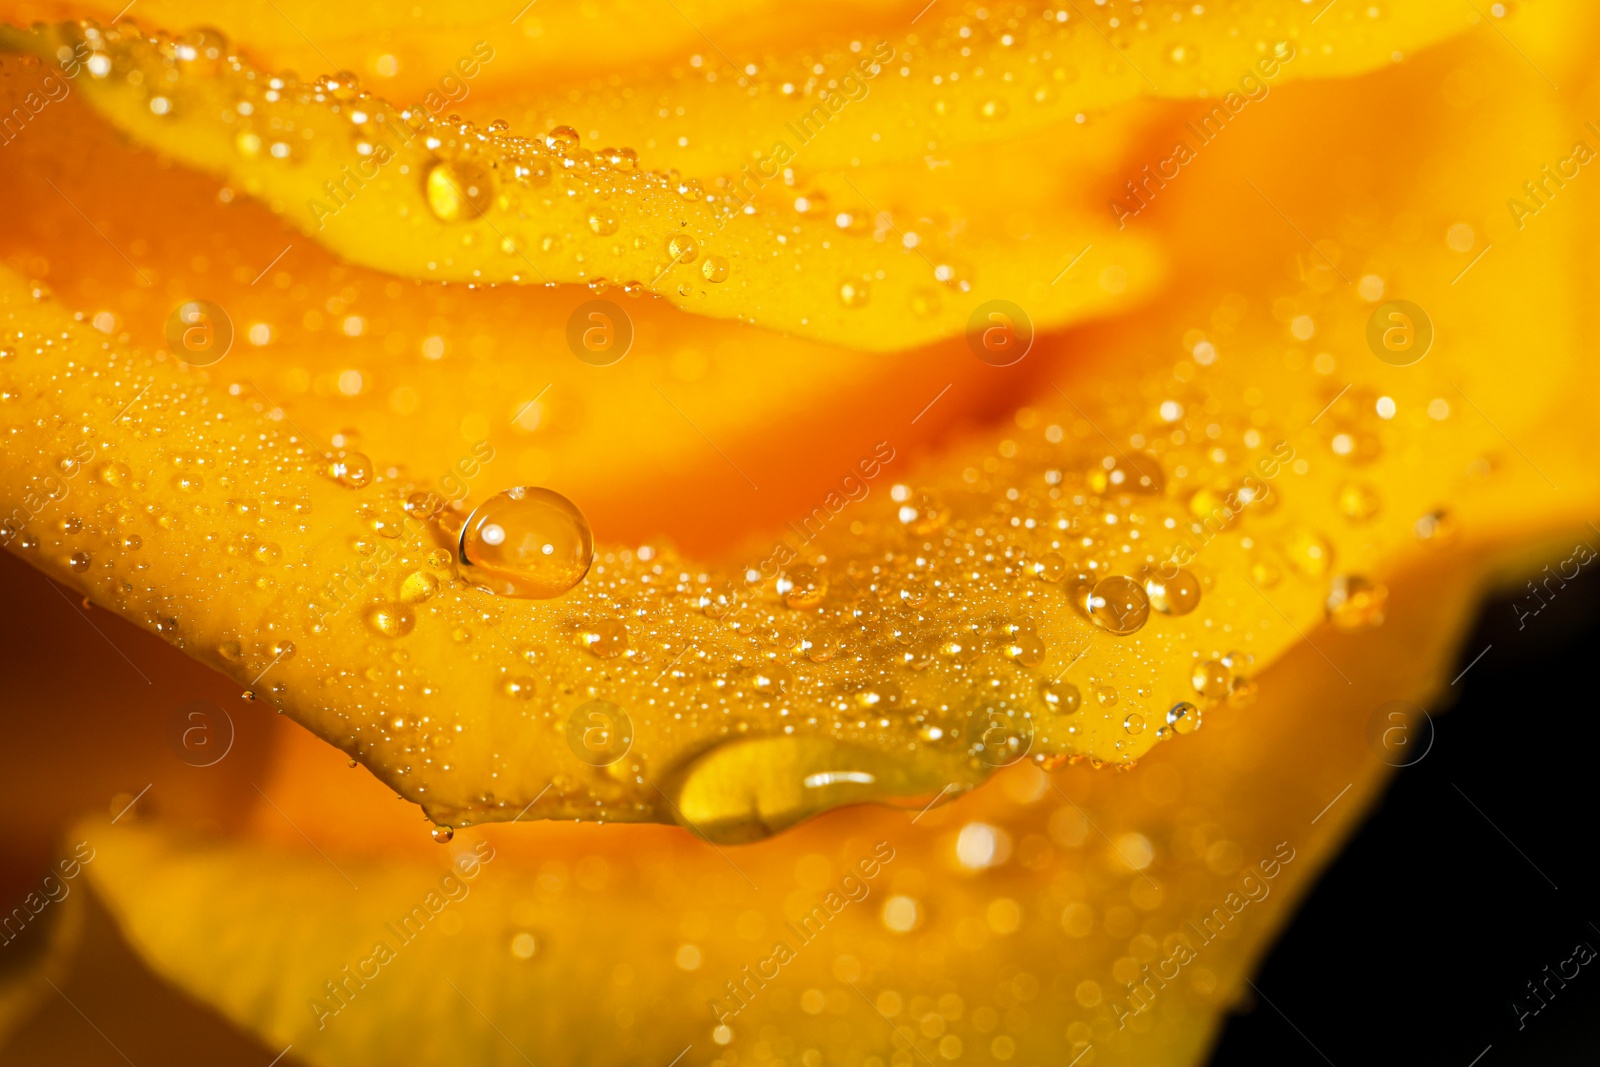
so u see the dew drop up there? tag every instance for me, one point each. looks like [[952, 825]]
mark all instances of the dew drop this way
[[443, 834], [1118, 604], [79, 561], [1134, 723], [458, 191], [821, 644], [1136, 473], [1355, 603], [520, 688], [1437, 528], [1177, 595], [1183, 717], [923, 511], [1062, 698], [750, 788], [418, 587], [714, 269], [682, 248], [527, 543], [1211, 679], [1106, 695], [115, 474], [854, 293], [606, 638], [1308, 552], [1358, 501], [562, 138], [391, 620], [1049, 567], [353, 469], [802, 586]]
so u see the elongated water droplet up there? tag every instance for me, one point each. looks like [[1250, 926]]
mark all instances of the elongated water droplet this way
[[751, 788], [526, 542]]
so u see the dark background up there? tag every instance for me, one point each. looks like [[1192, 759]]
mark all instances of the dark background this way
[[1415, 942]]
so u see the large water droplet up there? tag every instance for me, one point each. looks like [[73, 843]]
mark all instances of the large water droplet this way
[[458, 191], [526, 542], [751, 788], [1178, 594], [1119, 604]]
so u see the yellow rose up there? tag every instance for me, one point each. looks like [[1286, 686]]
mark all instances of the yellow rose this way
[[1149, 366]]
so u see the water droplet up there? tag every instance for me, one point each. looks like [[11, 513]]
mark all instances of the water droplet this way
[[1175, 595], [714, 269], [1183, 717], [443, 834], [606, 638], [682, 248], [1049, 567], [283, 650], [528, 543], [1358, 501], [1134, 723], [1137, 472], [458, 191], [802, 586], [1211, 679], [391, 620], [1437, 528], [418, 587], [603, 222], [751, 788], [993, 110], [115, 474], [854, 294], [1308, 552], [1118, 604], [1355, 603], [1061, 697], [79, 561], [521, 687], [772, 677], [1106, 695], [353, 469], [562, 138], [821, 644], [1025, 647], [923, 511]]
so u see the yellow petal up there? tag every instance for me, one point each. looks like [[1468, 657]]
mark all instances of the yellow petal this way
[[925, 662], [415, 195]]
